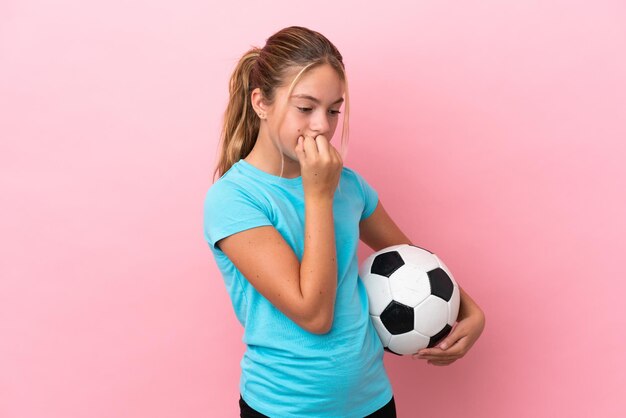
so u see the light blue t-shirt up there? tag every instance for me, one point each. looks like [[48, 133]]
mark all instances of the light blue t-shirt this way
[[286, 370]]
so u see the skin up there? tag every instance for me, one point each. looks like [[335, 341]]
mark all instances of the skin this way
[[301, 127], [319, 164], [315, 122]]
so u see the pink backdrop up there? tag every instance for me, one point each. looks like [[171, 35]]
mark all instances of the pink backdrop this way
[[493, 131]]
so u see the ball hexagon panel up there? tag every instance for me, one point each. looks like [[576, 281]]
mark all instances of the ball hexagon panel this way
[[423, 258], [398, 318], [409, 285], [430, 316], [378, 293], [406, 343]]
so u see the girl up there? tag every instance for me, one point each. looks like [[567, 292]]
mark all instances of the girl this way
[[283, 222]]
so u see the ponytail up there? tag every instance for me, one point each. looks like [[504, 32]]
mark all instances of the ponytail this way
[[240, 124]]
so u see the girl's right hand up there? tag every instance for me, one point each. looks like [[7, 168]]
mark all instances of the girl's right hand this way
[[320, 166]]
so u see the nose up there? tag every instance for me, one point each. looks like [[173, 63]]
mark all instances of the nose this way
[[320, 123]]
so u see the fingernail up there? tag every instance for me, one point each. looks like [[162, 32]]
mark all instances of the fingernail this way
[[443, 346]]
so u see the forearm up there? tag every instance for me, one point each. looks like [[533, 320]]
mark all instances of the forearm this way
[[318, 270], [467, 306]]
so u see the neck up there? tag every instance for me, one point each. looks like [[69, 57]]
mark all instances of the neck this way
[[266, 157]]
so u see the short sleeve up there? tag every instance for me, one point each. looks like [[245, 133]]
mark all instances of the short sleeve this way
[[370, 196], [228, 209]]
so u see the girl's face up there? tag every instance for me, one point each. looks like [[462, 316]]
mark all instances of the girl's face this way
[[313, 108]]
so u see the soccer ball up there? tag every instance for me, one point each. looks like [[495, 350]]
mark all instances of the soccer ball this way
[[413, 298]]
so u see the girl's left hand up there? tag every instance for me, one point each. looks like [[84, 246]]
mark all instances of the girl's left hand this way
[[457, 343]]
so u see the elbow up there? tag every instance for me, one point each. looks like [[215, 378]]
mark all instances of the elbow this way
[[320, 325], [320, 329]]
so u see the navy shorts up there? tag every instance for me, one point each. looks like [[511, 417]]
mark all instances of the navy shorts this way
[[387, 411]]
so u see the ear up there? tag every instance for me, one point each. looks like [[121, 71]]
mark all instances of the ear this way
[[258, 101]]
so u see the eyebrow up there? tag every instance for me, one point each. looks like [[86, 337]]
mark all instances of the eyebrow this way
[[313, 99]]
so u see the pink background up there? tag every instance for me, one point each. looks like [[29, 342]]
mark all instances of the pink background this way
[[493, 131]]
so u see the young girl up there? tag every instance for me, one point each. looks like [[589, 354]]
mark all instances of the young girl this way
[[283, 222]]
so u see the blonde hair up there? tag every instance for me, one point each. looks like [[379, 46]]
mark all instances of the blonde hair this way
[[294, 47]]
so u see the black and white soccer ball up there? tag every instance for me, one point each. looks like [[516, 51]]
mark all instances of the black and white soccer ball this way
[[413, 298]]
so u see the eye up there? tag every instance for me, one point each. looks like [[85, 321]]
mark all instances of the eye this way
[[308, 109]]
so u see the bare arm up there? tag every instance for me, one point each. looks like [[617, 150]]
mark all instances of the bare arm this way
[[379, 231], [304, 291], [318, 272]]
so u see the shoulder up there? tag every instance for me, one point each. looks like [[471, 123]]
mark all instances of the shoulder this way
[[353, 176], [231, 207], [226, 191], [222, 187], [357, 184], [233, 188], [348, 170]]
